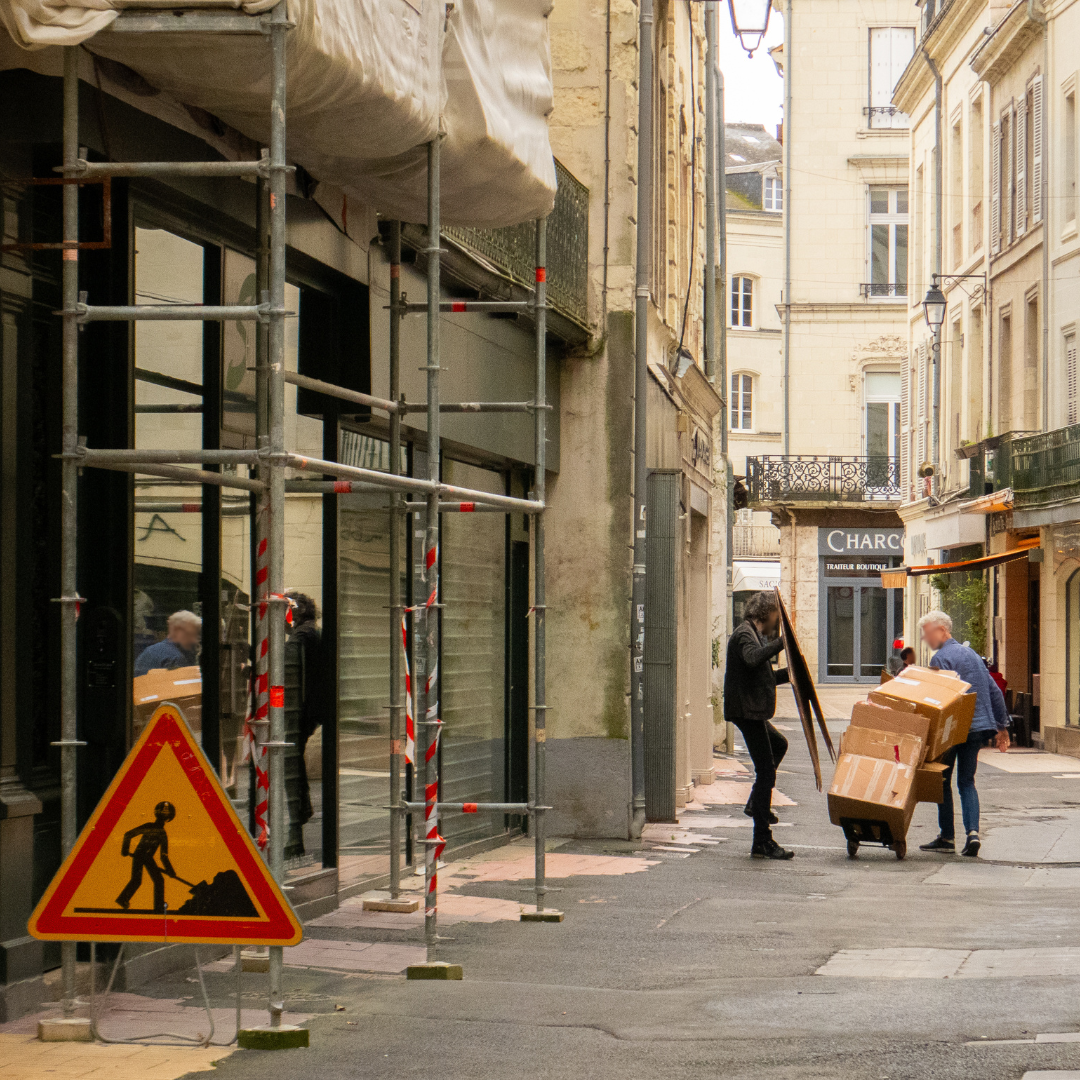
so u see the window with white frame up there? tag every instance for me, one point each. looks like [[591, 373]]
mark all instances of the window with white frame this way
[[891, 48], [887, 237], [742, 301], [742, 402], [773, 196]]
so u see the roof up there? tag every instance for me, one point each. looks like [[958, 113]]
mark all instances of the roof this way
[[748, 145]]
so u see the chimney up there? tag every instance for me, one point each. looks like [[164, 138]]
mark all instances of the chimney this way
[[780, 133]]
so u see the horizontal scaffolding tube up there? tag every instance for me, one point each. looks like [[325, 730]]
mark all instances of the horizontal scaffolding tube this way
[[477, 807], [455, 508], [170, 457], [177, 506], [409, 483], [188, 22], [178, 472], [94, 169], [476, 406], [470, 305], [335, 391], [85, 313], [332, 487]]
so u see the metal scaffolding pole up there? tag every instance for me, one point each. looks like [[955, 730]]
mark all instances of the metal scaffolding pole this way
[[276, 486], [539, 494], [396, 607], [69, 598], [427, 613]]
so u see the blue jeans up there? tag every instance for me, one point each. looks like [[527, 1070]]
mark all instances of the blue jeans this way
[[966, 759]]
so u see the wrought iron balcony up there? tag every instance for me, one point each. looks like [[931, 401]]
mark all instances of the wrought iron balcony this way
[[1046, 467], [886, 116], [512, 250], [873, 290], [814, 478], [992, 462]]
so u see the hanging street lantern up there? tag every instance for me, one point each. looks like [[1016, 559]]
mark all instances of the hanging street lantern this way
[[749, 21], [934, 307]]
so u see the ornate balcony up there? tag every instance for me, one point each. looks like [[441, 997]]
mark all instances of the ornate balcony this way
[[513, 250], [822, 479]]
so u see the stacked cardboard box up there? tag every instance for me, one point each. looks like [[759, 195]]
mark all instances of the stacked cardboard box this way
[[181, 686], [888, 755]]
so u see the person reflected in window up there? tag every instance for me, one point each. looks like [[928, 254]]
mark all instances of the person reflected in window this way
[[179, 648]]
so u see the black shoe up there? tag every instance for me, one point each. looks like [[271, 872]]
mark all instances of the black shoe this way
[[971, 848], [773, 819], [947, 847], [770, 849]]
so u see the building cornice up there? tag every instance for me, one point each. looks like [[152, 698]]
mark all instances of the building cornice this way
[[845, 312], [1005, 44], [940, 41]]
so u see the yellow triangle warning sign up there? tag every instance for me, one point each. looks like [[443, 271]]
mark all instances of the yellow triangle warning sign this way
[[164, 857]]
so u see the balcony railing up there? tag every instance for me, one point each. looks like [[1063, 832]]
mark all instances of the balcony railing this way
[[512, 250], [992, 463], [755, 541], [873, 290], [805, 478], [886, 116], [1046, 467]]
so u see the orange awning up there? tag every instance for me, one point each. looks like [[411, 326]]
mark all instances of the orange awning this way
[[895, 579]]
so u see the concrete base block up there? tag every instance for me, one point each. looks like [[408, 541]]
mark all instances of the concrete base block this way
[[254, 961], [65, 1029], [286, 1037], [435, 970], [402, 904], [530, 914]]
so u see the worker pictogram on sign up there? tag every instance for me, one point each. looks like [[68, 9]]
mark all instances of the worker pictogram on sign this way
[[164, 857]]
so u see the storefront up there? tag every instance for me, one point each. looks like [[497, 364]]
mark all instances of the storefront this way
[[858, 619]]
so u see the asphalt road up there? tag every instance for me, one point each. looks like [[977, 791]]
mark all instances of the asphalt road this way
[[705, 965]]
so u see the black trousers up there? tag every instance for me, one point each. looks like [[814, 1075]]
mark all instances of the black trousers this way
[[767, 748], [139, 863]]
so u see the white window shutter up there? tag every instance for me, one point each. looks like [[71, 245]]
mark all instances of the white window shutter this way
[[880, 68], [905, 426], [1021, 167], [1009, 179], [920, 429], [1037, 125], [1072, 399], [995, 190]]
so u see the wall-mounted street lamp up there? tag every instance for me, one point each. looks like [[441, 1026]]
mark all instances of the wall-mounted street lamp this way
[[749, 21], [934, 307], [934, 303]]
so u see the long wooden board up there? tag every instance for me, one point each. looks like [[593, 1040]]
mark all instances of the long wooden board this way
[[802, 685]]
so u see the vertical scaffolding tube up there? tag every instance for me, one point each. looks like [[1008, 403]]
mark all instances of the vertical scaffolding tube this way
[[276, 489], [428, 615], [396, 608], [539, 568], [69, 592]]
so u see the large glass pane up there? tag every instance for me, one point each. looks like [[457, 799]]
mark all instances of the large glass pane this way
[[1072, 647], [900, 266], [879, 257], [365, 638], [473, 658], [873, 630], [166, 616], [877, 428], [840, 631]]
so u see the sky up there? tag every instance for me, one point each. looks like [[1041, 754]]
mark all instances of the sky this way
[[753, 91]]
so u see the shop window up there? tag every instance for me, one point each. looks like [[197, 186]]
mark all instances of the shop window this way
[[1072, 649], [742, 402], [742, 302]]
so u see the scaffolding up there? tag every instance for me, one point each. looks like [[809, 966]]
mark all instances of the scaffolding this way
[[267, 465]]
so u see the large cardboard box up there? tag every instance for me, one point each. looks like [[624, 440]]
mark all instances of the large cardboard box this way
[[885, 718], [181, 686], [940, 697], [875, 778]]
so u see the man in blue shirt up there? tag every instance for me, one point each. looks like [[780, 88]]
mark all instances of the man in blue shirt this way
[[178, 648], [991, 720]]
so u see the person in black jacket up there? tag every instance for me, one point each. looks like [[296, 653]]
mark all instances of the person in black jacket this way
[[750, 703]]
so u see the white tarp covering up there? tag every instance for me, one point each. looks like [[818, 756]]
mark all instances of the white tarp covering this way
[[754, 576], [364, 91]]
